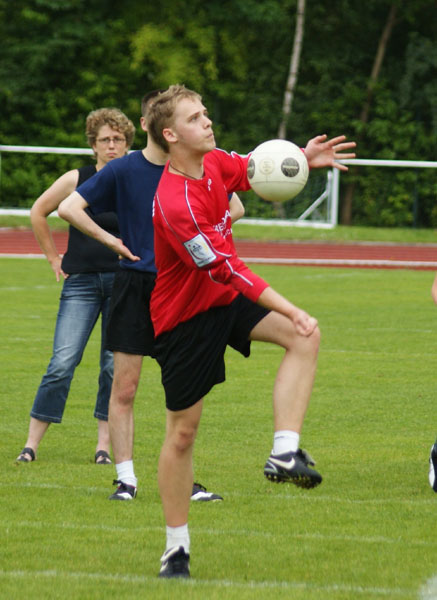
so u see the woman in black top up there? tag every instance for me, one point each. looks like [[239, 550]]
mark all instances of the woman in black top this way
[[87, 269]]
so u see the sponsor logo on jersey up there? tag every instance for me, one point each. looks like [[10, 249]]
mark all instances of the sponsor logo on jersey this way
[[223, 227]]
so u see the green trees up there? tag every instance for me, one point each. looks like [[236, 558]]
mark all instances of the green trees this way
[[62, 58]]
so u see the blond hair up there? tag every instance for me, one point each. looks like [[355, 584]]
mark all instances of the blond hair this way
[[161, 111]]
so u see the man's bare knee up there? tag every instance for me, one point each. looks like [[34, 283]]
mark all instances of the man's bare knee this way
[[183, 437], [123, 391], [184, 440], [127, 372], [306, 345]]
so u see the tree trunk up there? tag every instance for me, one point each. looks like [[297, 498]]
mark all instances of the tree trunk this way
[[346, 210], [293, 69], [291, 82]]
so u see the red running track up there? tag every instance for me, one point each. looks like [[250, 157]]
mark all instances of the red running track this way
[[21, 242]]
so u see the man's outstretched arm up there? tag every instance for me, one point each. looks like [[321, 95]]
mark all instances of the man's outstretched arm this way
[[72, 209]]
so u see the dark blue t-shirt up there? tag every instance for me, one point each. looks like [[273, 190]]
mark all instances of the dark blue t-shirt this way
[[127, 187]]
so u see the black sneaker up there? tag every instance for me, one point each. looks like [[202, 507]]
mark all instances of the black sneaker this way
[[123, 491], [175, 563], [292, 467], [199, 494], [433, 467]]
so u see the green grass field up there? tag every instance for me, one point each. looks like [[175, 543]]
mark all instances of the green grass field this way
[[366, 532]]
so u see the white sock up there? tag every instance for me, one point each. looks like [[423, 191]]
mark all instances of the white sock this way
[[285, 441], [178, 536], [125, 472]]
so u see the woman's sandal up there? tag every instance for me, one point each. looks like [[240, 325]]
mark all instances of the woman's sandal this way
[[22, 456], [106, 460]]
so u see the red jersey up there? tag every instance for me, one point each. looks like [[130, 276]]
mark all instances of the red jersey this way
[[198, 267]]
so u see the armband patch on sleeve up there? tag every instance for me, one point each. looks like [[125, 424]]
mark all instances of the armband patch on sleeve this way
[[200, 251]]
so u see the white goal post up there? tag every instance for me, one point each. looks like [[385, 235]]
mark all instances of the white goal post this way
[[331, 193]]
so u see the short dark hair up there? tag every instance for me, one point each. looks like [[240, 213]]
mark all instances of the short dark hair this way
[[145, 100]]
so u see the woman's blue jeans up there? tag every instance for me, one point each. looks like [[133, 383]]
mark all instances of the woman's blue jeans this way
[[84, 297]]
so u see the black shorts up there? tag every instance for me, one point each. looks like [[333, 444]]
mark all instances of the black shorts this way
[[130, 328], [191, 355]]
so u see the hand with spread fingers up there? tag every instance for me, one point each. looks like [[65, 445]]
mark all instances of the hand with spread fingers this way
[[321, 152]]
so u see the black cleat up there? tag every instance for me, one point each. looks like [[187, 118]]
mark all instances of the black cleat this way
[[200, 494], [433, 467], [175, 563], [123, 491], [292, 467]]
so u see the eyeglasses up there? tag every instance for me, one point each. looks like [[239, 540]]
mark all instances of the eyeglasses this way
[[107, 140]]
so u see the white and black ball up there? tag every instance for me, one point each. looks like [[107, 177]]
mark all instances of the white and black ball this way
[[277, 170]]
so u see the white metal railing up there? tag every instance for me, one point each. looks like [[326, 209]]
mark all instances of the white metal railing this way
[[330, 195], [45, 150], [37, 150]]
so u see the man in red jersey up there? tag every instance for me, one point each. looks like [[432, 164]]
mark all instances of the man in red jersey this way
[[205, 298]]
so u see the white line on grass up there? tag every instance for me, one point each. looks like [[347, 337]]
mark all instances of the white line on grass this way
[[429, 590], [379, 329], [378, 353], [376, 501], [342, 262], [306, 261], [56, 486], [6, 255], [299, 497], [216, 583], [235, 532], [26, 287]]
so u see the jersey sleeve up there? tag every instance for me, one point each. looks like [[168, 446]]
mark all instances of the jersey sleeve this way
[[188, 230], [99, 190], [233, 169]]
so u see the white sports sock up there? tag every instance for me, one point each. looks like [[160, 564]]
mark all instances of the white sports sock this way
[[178, 536], [285, 441], [125, 472]]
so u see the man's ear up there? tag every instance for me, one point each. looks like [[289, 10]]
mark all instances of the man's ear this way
[[169, 135], [143, 124]]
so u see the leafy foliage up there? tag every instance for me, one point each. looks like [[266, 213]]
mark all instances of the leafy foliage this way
[[63, 58]]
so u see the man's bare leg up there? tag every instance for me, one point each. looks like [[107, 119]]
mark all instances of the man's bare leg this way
[[175, 467], [291, 396], [295, 376], [127, 371], [175, 480]]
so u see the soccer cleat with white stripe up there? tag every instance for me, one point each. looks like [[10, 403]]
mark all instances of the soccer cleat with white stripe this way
[[200, 494], [123, 491], [175, 562], [292, 467], [433, 467]]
